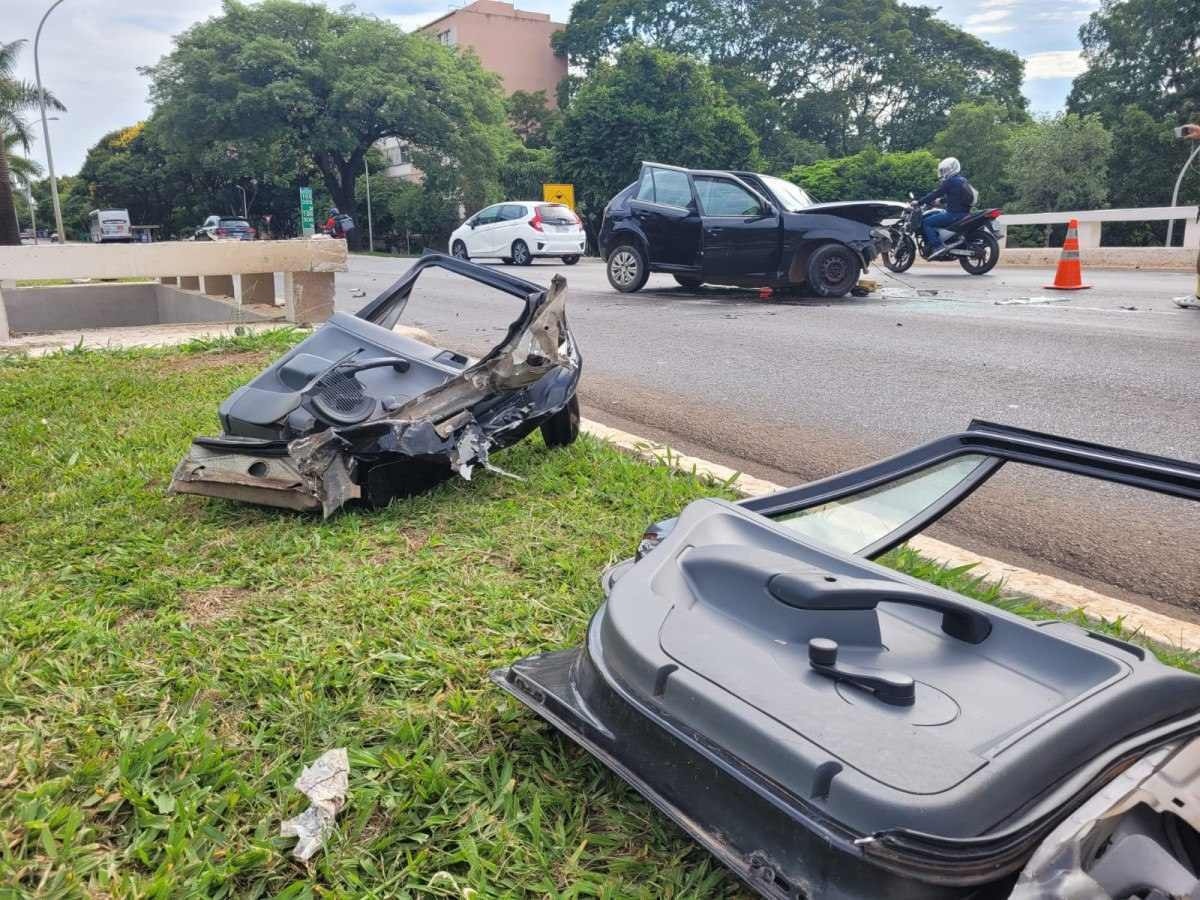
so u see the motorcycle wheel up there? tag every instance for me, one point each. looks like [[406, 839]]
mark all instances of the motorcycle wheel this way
[[902, 255], [989, 249]]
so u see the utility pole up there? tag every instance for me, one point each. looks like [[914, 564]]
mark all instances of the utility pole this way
[[370, 223], [37, 72]]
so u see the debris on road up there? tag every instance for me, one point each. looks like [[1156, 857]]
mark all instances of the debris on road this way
[[1030, 301], [362, 411], [325, 784], [358, 292]]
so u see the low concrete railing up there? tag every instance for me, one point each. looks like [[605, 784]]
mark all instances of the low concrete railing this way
[[1092, 220], [242, 270]]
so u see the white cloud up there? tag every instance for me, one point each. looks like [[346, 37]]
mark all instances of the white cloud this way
[[1054, 64], [999, 28], [987, 16]]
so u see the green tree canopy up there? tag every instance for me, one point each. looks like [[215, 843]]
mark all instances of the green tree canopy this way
[[18, 99], [325, 85], [846, 73], [531, 118], [1144, 52], [1060, 163], [978, 134], [649, 105], [868, 175]]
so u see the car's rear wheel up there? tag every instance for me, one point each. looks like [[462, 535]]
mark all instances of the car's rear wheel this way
[[988, 250], [520, 253], [690, 283], [832, 270], [902, 255], [570, 260], [627, 270], [562, 428], [460, 250]]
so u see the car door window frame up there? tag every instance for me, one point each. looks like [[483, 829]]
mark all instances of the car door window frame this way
[[999, 444], [651, 171], [732, 183]]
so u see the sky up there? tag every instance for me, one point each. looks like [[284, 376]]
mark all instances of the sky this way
[[90, 50]]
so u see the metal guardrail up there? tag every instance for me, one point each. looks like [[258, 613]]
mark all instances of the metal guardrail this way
[[1091, 221]]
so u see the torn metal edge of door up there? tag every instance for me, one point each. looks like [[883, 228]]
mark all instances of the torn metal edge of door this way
[[537, 365]]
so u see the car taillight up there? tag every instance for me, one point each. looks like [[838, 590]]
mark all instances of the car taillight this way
[[536, 222], [222, 231], [575, 216], [995, 213], [253, 234]]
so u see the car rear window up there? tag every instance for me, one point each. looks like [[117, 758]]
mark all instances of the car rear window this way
[[556, 214], [236, 223]]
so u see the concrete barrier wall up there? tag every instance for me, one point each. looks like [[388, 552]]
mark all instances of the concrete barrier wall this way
[[42, 309], [1104, 257]]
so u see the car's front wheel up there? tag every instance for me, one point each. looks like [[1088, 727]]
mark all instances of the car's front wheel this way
[[562, 428], [459, 250], [627, 270], [832, 270], [570, 260], [520, 253]]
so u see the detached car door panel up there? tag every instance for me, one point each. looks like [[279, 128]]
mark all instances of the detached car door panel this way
[[666, 211], [741, 236]]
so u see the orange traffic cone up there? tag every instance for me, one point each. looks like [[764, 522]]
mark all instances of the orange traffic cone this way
[[1069, 276]]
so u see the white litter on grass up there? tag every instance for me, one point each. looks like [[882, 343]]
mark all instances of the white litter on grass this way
[[1029, 301], [325, 783]]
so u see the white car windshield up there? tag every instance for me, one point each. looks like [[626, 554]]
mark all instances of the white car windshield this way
[[792, 197]]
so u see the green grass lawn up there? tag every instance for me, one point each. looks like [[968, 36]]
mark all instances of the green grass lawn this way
[[168, 664]]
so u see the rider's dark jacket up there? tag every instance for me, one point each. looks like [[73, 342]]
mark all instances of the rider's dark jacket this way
[[957, 191]]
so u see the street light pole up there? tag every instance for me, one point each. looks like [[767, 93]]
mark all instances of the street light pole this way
[[37, 71], [1175, 195], [370, 223], [32, 210], [245, 211]]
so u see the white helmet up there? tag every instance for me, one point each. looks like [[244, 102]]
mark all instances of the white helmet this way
[[949, 166]]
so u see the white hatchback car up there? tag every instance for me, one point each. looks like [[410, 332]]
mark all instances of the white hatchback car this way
[[519, 231]]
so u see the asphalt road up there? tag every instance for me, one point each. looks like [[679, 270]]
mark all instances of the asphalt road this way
[[795, 390]]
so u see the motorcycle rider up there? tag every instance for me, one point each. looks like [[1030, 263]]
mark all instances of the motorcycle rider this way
[[959, 196]]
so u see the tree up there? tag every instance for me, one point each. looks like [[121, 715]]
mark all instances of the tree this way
[[17, 98], [868, 175], [648, 105], [978, 134], [531, 118], [524, 171], [1060, 163], [1143, 52], [845, 73], [285, 76]]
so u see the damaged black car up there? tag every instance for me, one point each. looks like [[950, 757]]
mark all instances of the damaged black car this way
[[361, 412], [739, 228], [831, 728]]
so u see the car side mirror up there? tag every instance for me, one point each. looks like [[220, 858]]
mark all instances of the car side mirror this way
[[471, 223]]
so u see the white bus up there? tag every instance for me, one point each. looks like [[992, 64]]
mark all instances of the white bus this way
[[110, 226]]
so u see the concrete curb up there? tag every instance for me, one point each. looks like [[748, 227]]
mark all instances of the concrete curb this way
[[1062, 594]]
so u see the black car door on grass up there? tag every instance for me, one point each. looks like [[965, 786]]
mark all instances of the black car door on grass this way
[[740, 234], [666, 210]]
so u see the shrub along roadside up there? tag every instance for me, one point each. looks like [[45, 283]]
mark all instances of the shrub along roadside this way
[[169, 663]]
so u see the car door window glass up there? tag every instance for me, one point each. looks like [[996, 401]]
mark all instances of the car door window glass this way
[[671, 188], [510, 212], [854, 523], [719, 197], [646, 188], [489, 216]]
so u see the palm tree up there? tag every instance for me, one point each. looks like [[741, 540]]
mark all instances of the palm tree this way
[[22, 169], [16, 97]]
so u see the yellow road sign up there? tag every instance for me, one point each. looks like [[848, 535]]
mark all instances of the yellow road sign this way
[[559, 193]]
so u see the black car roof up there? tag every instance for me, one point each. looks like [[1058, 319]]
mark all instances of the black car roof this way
[[733, 172]]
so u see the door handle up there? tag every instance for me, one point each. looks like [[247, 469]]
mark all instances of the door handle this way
[[713, 230]]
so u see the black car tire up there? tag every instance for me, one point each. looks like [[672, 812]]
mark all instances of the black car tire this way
[[507, 260], [991, 254], [690, 283], [902, 255], [627, 270], [832, 270], [570, 260], [459, 251], [520, 254], [561, 429]]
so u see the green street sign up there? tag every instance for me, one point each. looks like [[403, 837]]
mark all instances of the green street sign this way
[[306, 212]]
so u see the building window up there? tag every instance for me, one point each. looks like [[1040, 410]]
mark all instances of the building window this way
[[444, 37], [399, 154]]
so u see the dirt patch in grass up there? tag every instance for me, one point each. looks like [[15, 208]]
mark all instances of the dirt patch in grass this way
[[213, 604], [200, 362]]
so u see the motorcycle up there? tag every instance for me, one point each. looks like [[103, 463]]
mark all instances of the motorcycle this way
[[972, 241]]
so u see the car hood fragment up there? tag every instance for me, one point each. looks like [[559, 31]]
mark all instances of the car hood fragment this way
[[361, 411], [831, 728], [869, 212]]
